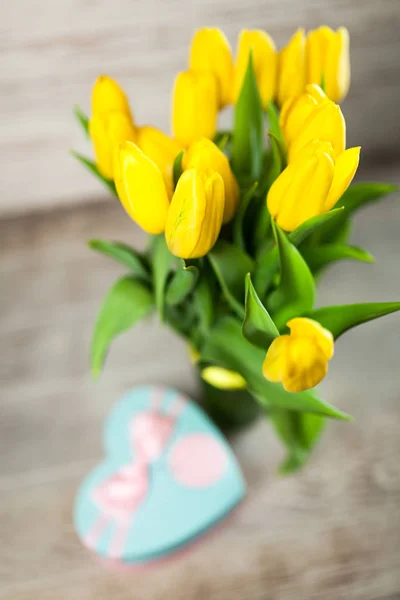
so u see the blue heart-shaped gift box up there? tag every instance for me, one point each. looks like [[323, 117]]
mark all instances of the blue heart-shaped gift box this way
[[168, 476]]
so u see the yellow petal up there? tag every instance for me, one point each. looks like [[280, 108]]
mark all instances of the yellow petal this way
[[195, 215], [299, 362], [194, 106], [223, 379], [301, 108], [161, 149], [301, 189], [325, 123], [210, 51], [303, 327], [337, 72], [307, 365], [141, 188], [275, 364], [314, 90], [295, 111], [107, 96], [291, 68], [285, 111], [265, 61], [107, 131], [204, 155], [345, 169], [314, 147], [317, 44]]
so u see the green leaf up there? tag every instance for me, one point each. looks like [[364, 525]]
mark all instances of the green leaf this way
[[127, 256], [231, 265], [278, 159], [93, 168], [299, 432], [204, 300], [248, 131], [326, 254], [273, 120], [267, 264], [177, 168], [181, 284], [163, 262], [267, 260], [339, 319], [355, 197], [262, 227], [128, 301], [258, 327], [82, 119], [227, 347], [296, 291], [314, 224], [360, 194], [239, 217]]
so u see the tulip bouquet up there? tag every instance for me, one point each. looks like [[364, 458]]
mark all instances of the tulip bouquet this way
[[241, 222]]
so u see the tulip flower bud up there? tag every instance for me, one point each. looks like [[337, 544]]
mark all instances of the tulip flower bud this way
[[328, 61], [312, 184], [326, 123], [195, 215], [210, 51], [296, 110], [299, 360], [265, 61], [291, 68], [107, 96], [141, 188], [107, 130], [194, 106], [205, 155], [161, 149]]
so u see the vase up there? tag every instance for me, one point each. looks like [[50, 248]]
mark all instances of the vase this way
[[231, 410]]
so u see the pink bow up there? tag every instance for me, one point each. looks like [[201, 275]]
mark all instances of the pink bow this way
[[119, 496]]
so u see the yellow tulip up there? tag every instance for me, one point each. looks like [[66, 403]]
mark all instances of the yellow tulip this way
[[161, 149], [324, 122], [204, 155], [194, 106], [141, 188], [312, 184], [107, 131], [195, 215], [328, 60], [210, 51], [107, 96], [296, 110], [265, 61], [223, 379], [299, 360], [291, 68]]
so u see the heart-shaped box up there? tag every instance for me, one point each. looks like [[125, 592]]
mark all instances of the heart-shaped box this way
[[168, 476]]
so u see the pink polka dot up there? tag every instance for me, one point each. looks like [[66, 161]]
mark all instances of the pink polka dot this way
[[198, 460]]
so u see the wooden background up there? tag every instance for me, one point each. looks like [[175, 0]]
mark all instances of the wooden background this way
[[51, 52]]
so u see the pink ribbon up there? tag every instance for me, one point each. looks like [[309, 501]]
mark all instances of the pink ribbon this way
[[119, 497]]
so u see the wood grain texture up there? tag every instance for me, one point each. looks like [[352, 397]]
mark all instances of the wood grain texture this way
[[51, 52], [331, 531]]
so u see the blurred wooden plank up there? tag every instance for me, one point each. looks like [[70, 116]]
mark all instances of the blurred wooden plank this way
[[329, 531], [51, 54]]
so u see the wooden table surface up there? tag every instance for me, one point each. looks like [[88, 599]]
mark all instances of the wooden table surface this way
[[332, 531]]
